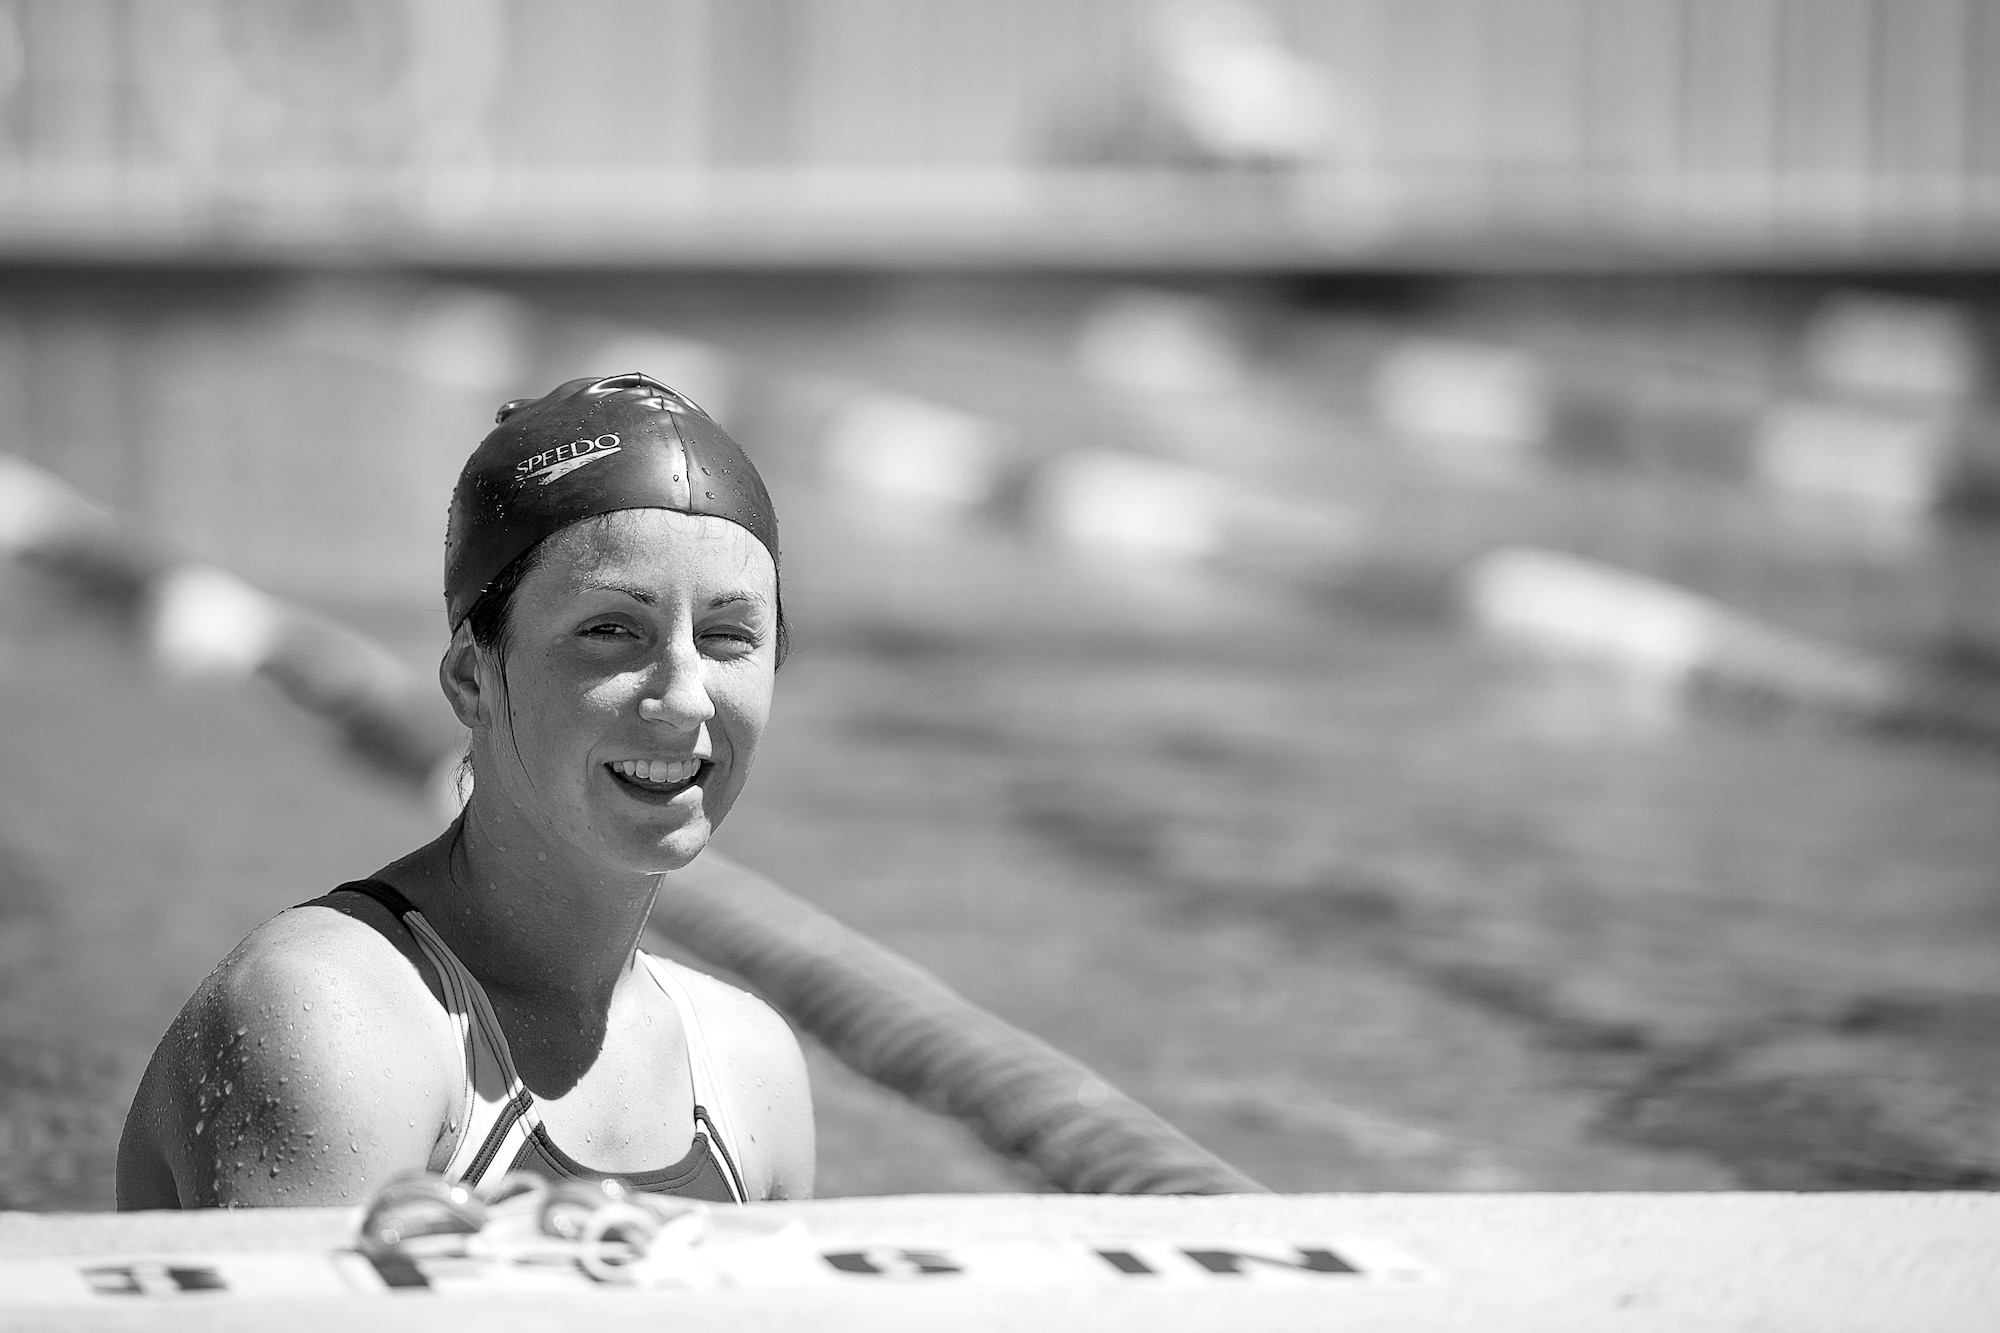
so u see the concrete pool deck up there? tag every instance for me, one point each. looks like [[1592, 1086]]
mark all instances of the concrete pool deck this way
[[1491, 1262]]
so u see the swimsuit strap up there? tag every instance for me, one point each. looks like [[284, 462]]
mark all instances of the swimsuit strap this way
[[499, 1110], [465, 1005], [701, 1070], [385, 894]]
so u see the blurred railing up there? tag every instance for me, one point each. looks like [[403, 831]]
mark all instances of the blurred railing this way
[[1452, 133]]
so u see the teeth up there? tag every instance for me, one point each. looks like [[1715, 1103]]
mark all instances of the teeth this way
[[662, 772]]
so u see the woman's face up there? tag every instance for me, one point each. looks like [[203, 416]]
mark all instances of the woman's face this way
[[636, 685]]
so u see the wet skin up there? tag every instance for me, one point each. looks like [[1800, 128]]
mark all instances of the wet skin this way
[[610, 737]]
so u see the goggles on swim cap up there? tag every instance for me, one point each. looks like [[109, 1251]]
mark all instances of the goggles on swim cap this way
[[591, 447]]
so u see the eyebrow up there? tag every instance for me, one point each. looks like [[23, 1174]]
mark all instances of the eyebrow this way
[[633, 591], [650, 598]]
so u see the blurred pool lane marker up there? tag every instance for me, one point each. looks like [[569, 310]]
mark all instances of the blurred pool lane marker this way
[[1177, 372], [1610, 651], [1478, 409], [1112, 502], [1887, 347], [1865, 451], [202, 623], [37, 510], [1869, 473], [1850, 447], [1178, 367], [1238, 89], [1576, 610], [1152, 341], [206, 623], [1121, 504], [937, 469], [1572, 608], [934, 466]]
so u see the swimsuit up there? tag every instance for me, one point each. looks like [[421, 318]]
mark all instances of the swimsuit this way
[[501, 1131]]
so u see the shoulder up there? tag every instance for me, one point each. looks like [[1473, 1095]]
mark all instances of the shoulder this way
[[326, 973], [763, 1073], [310, 1062]]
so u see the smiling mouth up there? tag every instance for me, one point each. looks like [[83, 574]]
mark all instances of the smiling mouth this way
[[658, 777]]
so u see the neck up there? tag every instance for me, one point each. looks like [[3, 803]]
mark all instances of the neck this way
[[533, 920]]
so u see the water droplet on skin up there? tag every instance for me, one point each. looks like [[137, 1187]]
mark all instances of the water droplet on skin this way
[[309, 1005], [200, 1125], [352, 1146], [243, 1032], [709, 494]]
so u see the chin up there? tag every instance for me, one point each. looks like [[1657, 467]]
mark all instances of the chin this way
[[671, 860], [675, 850]]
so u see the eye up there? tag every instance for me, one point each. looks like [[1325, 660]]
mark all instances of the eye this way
[[731, 641], [606, 630]]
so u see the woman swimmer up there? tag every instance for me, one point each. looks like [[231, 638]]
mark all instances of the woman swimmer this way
[[481, 1005]]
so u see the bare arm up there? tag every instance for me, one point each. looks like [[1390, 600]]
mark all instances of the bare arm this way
[[764, 1077], [308, 1067]]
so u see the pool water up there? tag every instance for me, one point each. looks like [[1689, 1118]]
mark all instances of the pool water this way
[[1276, 843]]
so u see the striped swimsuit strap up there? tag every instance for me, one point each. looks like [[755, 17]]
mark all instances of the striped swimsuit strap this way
[[500, 1125]]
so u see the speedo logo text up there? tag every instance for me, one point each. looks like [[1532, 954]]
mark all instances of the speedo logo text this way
[[564, 459]]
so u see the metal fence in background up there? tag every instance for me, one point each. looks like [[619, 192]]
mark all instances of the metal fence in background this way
[[1454, 133]]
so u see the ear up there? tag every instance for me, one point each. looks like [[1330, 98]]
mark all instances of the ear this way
[[459, 675]]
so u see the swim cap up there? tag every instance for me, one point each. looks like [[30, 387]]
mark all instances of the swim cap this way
[[591, 447]]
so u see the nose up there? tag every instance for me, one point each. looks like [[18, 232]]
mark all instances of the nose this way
[[678, 693]]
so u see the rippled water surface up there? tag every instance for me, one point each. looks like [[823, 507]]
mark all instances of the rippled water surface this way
[[1365, 904]]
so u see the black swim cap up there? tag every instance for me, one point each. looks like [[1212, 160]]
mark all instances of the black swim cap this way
[[591, 447]]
